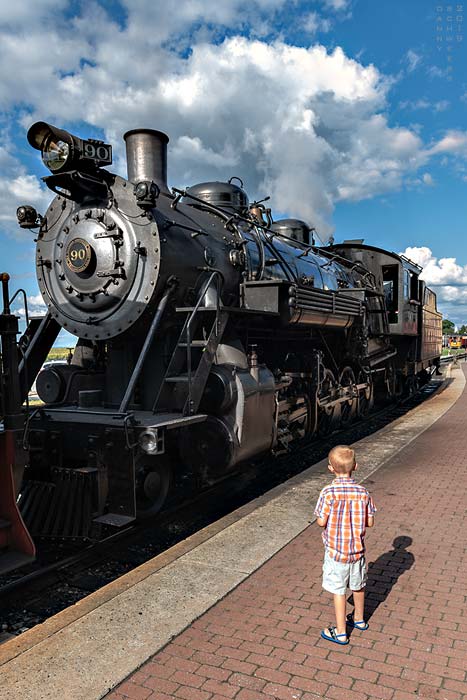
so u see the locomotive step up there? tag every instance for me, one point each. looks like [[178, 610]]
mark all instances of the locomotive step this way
[[178, 378]]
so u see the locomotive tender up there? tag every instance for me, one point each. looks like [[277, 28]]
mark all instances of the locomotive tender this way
[[207, 335]]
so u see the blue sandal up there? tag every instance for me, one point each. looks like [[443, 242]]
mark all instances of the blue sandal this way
[[333, 636], [359, 625]]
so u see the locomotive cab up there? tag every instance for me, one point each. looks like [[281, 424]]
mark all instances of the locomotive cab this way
[[402, 295], [414, 324]]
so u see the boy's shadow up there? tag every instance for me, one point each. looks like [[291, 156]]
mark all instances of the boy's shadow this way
[[384, 573]]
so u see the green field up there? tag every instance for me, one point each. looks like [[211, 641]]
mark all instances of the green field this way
[[453, 351], [58, 354]]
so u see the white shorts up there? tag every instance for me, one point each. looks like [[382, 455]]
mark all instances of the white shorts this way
[[338, 576]]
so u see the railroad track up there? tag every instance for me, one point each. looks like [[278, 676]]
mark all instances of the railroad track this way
[[29, 599], [446, 359]]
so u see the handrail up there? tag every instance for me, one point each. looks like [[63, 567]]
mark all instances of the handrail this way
[[406, 259], [170, 286], [266, 230], [219, 280], [25, 300]]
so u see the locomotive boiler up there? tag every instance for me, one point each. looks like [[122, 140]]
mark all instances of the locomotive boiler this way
[[207, 335]]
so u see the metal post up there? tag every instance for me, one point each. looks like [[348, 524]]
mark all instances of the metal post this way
[[5, 278], [12, 395]]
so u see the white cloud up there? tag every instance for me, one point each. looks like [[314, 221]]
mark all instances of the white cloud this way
[[36, 306], [413, 60], [26, 12], [440, 272], [424, 180], [16, 188], [379, 161], [428, 179], [452, 303], [336, 5], [415, 104], [313, 23], [441, 106], [301, 124], [447, 277], [423, 103], [289, 142], [454, 142], [437, 72]]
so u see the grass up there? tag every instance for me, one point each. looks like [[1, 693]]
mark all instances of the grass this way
[[452, 351], [58, 354]]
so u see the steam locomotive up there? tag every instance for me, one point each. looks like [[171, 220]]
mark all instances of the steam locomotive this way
[[207, 333]]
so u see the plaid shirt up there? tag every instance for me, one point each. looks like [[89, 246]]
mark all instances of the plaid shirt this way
[[347, 505]]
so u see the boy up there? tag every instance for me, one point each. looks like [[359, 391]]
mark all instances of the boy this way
[[344, 509]]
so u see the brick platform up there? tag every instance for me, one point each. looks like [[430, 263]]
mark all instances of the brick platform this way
[[262, 641]]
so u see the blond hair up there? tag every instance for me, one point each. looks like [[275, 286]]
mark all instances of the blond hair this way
[[342, 459]]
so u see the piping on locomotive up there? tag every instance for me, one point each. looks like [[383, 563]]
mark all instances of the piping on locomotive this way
[[207, 335]]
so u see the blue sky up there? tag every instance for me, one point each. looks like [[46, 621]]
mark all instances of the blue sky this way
[[350, 113]]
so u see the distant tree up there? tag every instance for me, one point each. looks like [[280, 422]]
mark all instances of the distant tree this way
[[448, 326], [463, 330]]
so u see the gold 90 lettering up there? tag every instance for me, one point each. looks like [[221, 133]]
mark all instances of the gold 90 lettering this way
[[78, 254]]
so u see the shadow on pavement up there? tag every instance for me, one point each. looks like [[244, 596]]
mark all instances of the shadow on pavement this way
[[384, 573]]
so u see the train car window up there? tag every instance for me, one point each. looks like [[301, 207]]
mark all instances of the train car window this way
[[391, 291], [406, 284], [414, 286]]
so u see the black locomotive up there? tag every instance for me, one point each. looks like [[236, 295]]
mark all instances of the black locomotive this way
[[207, 335]]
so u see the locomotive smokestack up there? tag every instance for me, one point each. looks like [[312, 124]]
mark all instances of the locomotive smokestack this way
[[146, 156]]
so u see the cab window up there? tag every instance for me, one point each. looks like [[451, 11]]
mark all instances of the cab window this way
[[391, 291], [414, 296], [406, 285]]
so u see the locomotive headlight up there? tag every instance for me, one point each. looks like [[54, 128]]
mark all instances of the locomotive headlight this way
[[28, 217], [141, 190], [56, 146], [146, 193], [62, 151], [55, 153], [151, 441]]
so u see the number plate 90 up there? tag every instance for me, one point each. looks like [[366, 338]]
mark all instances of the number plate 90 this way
[[78, 255]]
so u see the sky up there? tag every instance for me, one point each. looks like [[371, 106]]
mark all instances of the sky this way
[[350, 114]]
